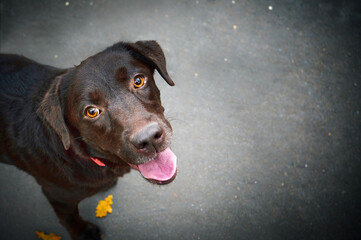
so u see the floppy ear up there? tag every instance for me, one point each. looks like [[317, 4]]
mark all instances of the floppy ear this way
[[154, 54], [50, 109]]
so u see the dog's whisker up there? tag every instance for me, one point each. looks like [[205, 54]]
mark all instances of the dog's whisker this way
[[172, 120]]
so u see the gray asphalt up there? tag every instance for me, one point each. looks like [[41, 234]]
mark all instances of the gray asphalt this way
[[266, 114]]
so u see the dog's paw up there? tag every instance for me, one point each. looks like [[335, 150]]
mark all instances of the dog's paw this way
[[90, 232]]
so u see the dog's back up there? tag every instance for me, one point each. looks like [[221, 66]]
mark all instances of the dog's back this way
[[18, 73]]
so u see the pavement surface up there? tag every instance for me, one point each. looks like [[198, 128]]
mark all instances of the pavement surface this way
[[266, 114]]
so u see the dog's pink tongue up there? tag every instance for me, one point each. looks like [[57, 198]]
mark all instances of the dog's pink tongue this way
[[161, 168]]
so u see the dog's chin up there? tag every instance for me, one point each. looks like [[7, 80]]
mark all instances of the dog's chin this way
[[158, 168], [155, 171]]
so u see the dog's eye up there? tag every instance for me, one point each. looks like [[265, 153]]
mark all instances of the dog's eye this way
[[138, 81], [92, 112]]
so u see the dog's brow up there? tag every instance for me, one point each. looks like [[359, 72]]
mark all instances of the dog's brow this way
[[95, 95], [122, 74], [100, 74]]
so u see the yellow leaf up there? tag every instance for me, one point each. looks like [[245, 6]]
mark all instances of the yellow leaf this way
[[104, 207], [50, 236]]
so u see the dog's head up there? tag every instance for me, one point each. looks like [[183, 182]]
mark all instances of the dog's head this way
[[108, 110]]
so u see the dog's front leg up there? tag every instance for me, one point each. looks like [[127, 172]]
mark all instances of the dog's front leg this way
[[66, 208]]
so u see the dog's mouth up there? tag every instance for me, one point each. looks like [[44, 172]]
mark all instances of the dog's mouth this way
[[162, 169]]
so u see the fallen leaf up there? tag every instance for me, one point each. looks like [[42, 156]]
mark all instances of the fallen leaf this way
[[50, 236], [104, 207]]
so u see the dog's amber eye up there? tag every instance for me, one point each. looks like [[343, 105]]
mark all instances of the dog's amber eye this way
[[138, 81], [92, 112]]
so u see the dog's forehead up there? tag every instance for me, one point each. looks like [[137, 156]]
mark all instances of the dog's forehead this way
[[105, 75], [106, 65]]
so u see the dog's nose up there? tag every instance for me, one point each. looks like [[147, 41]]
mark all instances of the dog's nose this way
[[148, 138]]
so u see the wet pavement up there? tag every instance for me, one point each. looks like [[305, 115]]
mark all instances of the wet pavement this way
[[265, 112]]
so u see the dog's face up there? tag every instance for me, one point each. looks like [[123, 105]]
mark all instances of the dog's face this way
[[113, 113], [111, 106]]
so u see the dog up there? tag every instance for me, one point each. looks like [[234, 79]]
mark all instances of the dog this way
[[77, 130]]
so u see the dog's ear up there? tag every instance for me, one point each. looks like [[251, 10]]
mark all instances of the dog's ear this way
[[50, 109], [153, 53]]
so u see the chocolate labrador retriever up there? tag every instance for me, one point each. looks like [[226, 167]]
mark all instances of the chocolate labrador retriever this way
[[77, 130]]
